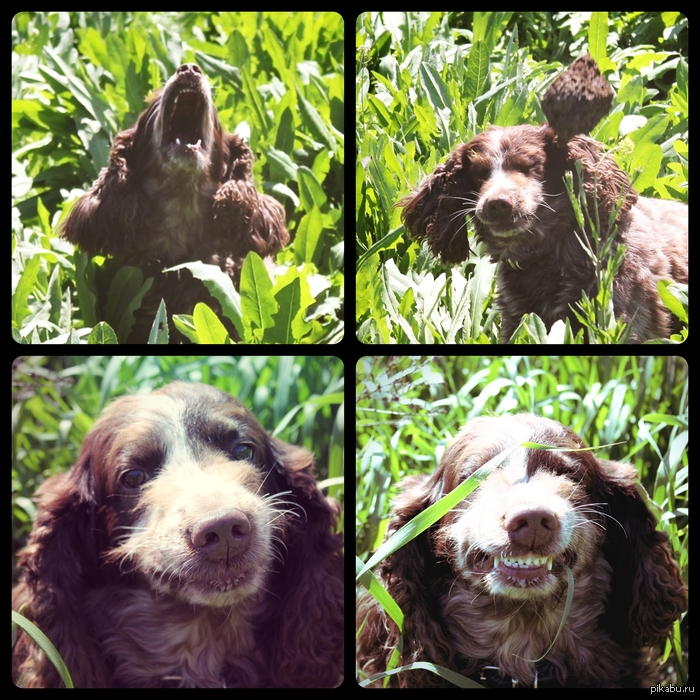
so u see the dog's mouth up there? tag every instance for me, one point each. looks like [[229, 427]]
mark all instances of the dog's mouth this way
[[506, 230], [223, 581], [222, 584], [215, 589], [519, 575], [506, 223], [522, 570], [512, 242], [186, 121], [184, 118]]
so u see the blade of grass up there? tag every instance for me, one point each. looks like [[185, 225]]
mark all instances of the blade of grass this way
[[432, 514]]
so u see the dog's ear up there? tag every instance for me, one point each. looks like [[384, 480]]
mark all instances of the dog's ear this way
[[436, 211], [648, 593]]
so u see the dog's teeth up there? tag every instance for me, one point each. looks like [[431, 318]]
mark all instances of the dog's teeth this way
[[523, 562]]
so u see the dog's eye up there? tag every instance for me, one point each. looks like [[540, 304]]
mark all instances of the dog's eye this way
[[134, 478], [243, 452], [480, 171], [524, 166]]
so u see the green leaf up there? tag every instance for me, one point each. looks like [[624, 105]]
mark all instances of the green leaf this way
[[124, 297], [314, 123], [477, 70], [284, 139], [285, 330], [306, 243], [283, 167], [210, 330], [675, 298], [262, 120], [220, 286], [597, 36], [159, 333], [310, 191], [184, 323], [257, 302], [102, 334], [644, 165], [27, 281], [452, 676], [85, 269], [377, 590], [435, 88]]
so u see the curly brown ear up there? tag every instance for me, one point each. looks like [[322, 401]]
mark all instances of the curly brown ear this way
[[607, 187], [301, 630], [59, 558], [243, 218], [409, 575], [436, 211], [648, 593], [246, 220], [268, 231], [106, 218]]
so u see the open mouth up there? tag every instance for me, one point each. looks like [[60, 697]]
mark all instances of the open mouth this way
[[523, 569], [183, 124], [519, 574]]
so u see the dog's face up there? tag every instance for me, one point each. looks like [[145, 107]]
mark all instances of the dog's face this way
[[531, 517], [186, 478], [514, 179], [184, 122]]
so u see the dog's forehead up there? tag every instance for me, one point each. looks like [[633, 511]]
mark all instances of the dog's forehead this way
[[514, 468], [184, 421], [212, 405], [180, 408], [490, 436], [204, 417], [524, 463]]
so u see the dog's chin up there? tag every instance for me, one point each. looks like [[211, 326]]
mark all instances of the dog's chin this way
[[219, 590], [185, 159], [513, 242], [515, 248]]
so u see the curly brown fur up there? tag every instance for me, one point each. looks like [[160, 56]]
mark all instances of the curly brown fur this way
[[486, 585], [186, 548], [177, 190], [510, 183]]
